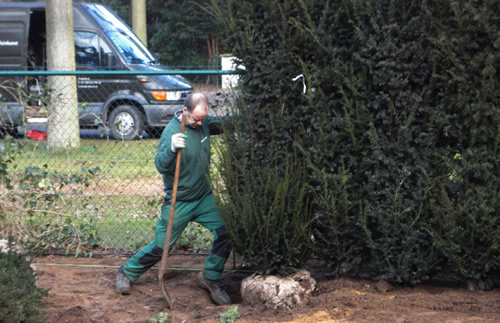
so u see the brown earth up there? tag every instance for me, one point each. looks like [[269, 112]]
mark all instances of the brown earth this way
[[82, 290]]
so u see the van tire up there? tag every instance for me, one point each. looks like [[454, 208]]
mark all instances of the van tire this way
[[126, 122]]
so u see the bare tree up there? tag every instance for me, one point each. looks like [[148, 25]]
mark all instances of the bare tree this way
[[63, 127], [138, 8]]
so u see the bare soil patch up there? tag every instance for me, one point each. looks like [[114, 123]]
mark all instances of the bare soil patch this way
[[82, 290]]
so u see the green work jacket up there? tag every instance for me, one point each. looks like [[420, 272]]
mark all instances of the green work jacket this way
[[195, 161]]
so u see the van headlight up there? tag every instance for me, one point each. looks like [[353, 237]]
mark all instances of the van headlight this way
[[169, 95], [160, 95]]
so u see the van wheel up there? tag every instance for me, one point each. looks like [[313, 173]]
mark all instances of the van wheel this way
[[126, 123]]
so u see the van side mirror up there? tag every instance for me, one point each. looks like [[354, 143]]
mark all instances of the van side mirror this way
[[111, 60]]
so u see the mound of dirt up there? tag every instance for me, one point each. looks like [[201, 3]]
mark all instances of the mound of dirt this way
[[82, 290]]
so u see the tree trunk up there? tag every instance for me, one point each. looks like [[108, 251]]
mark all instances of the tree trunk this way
[[63, 127], [139, 19]]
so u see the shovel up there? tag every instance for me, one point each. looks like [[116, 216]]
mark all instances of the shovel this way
[[163, 264]]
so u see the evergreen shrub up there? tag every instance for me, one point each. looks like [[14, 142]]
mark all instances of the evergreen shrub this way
[[265, 202], [265, 207], [397, 127], [20, 299], [369, 139], [464, 45]]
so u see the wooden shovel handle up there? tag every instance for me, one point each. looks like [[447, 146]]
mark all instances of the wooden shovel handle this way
[[176, 182], [163, 264]]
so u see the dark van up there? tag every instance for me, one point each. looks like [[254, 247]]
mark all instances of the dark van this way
[[127, 104]]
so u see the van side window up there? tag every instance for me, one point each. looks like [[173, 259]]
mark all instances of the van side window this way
[[91, 51]]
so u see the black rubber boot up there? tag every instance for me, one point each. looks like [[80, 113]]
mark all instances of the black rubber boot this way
[[216, 289], [122, 282]]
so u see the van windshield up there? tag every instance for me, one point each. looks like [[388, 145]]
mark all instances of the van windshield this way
[[130, 48]]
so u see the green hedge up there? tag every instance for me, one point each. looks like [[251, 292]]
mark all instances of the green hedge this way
[[398, 128]]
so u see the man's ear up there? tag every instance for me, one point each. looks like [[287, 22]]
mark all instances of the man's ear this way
[[185, 110]]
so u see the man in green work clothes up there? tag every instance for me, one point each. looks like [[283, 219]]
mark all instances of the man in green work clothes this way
[[195, 201]]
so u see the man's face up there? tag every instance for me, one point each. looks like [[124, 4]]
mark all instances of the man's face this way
[[196, 117]]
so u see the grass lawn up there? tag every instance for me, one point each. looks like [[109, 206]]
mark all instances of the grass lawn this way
[[126, 232], [115, 158]]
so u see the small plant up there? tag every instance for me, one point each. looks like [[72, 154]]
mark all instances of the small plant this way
[[161, 317], [34, 208], [20, 298], [230, 315], [77, 233]]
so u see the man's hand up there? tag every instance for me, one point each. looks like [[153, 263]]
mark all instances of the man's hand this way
[[178, 142]]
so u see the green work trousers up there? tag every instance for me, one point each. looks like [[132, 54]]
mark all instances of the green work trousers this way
[[202, 211]]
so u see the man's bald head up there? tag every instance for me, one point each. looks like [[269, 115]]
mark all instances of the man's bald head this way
[[195, 109], [194, 99]]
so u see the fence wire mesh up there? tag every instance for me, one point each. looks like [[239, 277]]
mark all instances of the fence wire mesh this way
[[79, 152]]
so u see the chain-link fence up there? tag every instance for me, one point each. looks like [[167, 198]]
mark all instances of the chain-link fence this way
[[82, 146]]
